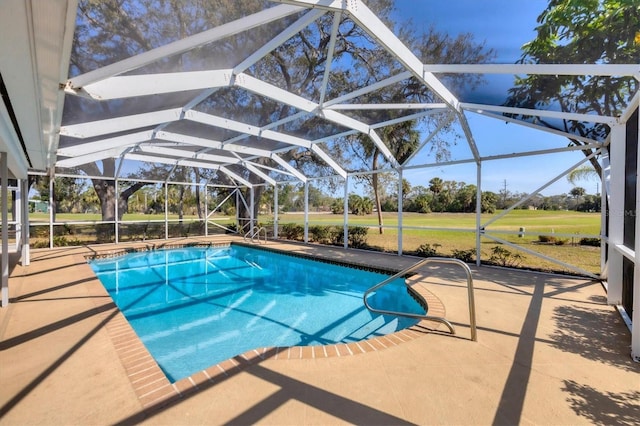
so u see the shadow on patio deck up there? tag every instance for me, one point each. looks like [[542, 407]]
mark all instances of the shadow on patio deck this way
[[550, 351]]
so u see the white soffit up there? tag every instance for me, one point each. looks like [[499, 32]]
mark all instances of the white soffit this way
[[35, 45]]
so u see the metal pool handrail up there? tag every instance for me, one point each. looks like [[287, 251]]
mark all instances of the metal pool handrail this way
[[472, 307], [256, 233]]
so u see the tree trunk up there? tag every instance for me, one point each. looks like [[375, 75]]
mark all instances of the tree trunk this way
[[376, 195], [596, 165], [181, 203], [587, 152], [123, 200], [106, 191]]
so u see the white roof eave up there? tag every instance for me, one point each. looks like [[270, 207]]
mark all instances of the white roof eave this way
[[35, 48]]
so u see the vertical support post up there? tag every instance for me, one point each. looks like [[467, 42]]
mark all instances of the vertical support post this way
[[617, 153], [635, 316], [478, 212], [4, 193], [206, 210], [400, 208], [306, 212], [237, 208], [51, 208], [166, 210], [26, 253], [276, 207], [635, 320], [604, 193], [346, 213], [17, 206], [117, 211], [251, 210]]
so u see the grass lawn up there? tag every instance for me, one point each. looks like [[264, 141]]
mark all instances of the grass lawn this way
[[445, 241], [459, 234]]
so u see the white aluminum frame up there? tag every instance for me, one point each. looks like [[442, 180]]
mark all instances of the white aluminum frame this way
[[121, 138]]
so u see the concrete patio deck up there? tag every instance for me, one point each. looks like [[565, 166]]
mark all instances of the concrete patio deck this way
[[549, 351]]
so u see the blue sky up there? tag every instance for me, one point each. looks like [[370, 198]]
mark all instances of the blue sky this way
[[504, 25], [523, 174]]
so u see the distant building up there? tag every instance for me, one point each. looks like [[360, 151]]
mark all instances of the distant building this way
[[39, 206]]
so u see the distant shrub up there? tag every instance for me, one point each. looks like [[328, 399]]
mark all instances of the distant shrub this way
[[552, 239], [178, 230], [105, 232], [321, 234], [293, 231], [464, 255], [428, 250], [503, 257], [595, 242], [61, 241], [336, 235], [358, 236], [40, 244], [39, 232]]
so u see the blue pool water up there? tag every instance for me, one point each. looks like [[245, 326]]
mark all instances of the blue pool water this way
[[195, 307]]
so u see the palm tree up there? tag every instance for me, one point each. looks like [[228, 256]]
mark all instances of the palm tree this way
[[435, 185], [582, 173], [577, 193]]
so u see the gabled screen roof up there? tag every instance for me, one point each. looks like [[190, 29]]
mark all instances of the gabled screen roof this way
[[267, 83]]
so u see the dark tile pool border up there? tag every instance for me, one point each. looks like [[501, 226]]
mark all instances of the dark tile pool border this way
[[350, 264], [107, 254], [166, 246]]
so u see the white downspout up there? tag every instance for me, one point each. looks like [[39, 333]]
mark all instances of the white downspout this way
[[4, 193], [400, 196], [26, 252]]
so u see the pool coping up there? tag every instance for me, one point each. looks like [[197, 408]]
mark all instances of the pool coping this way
[[153, 388], [107, 254]]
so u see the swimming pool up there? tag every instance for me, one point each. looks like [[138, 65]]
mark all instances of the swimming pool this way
[[194, 307]]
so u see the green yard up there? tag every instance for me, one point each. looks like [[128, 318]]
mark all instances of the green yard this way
[[459, 234], [445, 241]]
